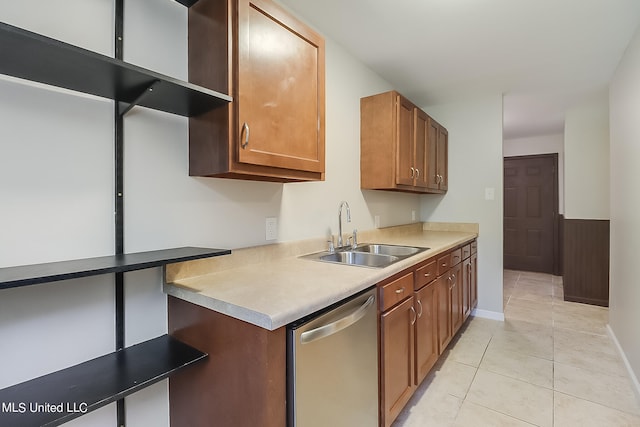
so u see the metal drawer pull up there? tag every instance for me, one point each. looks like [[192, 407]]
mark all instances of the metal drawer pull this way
[[444, 264], [427, 274], [399, 291], [338, 325], [245, 129]]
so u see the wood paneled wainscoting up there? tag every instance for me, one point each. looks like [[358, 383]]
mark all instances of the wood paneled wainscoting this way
[[586, 261]]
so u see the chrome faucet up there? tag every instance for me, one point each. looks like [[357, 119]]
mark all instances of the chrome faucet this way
[[342, 203]]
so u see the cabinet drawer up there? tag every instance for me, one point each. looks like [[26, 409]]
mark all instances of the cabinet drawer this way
[[466, 251], [395, 291], [426, 274], [456, 257], [444, 262], [474, 247]]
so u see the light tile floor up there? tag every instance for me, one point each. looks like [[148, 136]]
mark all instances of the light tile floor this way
[[549, 364]]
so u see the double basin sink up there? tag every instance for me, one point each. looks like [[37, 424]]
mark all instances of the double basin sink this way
[[372, 255]]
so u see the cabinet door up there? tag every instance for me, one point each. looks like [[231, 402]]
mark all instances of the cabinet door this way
[[466, 288], [432, 155], [421, 142], [474, 280], [443, 157], [397, 361], [443, 296], [455, 278], [426, 331], [404, 142], [280, 98]]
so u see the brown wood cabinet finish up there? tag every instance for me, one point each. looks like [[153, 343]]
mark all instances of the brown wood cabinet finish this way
[[426, 340], [241, 383], [443, 294], [273, 66], [396, 146], [438, 158], [395, 291], [397, 336]]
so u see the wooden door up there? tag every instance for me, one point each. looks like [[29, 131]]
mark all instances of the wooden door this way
[[397, 361], [404, 141], [456, 298], [466, 288], [443, 158], [280, 89], [421, 138], [474, 280], [443, 296], [426, 331], [432, 155], [530, 208]]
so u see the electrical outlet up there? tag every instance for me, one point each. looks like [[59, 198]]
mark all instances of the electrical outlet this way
[[271, 228]]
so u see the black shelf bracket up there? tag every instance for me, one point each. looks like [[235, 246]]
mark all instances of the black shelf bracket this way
[[125, 107]]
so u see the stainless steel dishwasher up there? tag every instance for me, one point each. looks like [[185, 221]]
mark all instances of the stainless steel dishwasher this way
[[332, 366]]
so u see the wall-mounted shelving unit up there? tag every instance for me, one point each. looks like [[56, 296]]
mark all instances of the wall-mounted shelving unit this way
[[109, 378], [93, 384], [34, 57], [25, 275]]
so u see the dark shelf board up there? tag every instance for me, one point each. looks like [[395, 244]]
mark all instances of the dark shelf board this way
[[34, 57], [96, 383], [25, 275], [187, 3]]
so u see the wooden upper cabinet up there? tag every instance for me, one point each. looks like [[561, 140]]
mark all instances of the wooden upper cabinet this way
[[273, 67], [438, 157], [405, 147], [395, 143]]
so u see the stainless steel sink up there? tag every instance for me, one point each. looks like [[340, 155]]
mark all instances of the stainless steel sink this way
[[359, 258], [367, 255], [395, 250]]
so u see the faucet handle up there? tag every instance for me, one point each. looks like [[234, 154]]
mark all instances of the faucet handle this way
[[355, 238], [332, 248]]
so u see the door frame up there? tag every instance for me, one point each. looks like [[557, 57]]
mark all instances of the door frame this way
[[557, 249]]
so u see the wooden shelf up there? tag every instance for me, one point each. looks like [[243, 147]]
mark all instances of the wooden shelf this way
[[96, 383], [12, 277], [34, 57]]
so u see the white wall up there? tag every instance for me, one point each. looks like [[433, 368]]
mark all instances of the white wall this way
[[624, 291], [475, 164], [541, 144], [586, 160], [56, 186]]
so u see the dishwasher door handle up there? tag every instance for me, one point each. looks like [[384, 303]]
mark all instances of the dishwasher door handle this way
[[337, 325]]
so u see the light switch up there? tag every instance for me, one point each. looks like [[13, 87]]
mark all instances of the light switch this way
[[489, 193]]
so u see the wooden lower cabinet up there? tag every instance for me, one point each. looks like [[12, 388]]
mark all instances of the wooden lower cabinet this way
[[443, 297], [397, 335], [241, 383], [455, 278], [473, 286], [426, 339]]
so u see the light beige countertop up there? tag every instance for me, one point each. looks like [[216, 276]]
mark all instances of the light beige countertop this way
[[270, 286]]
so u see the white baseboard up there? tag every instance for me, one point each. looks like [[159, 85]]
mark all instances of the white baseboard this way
[[635, 384], [493, 315]]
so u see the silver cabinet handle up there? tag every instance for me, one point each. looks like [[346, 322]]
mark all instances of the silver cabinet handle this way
[[413, 171], [420, 304], [338, 325], [415, 317], [417, 173], [399, 291], [245, 130], [427, 274]]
